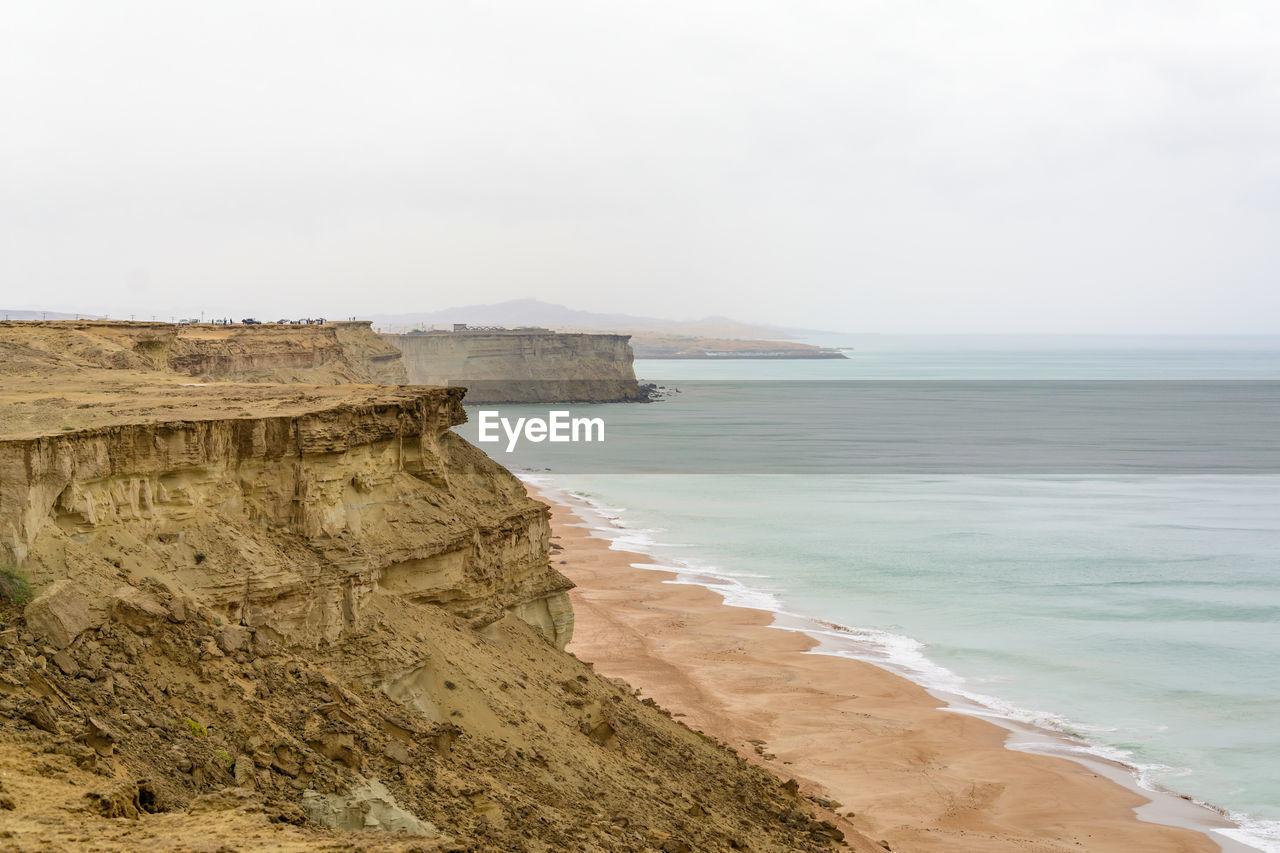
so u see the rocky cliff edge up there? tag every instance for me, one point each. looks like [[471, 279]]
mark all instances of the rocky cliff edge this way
[[300, 617]]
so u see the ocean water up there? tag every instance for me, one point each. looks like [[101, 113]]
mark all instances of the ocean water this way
[[1083, 534]]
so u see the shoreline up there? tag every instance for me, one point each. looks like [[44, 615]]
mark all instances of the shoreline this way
[[916, 767]]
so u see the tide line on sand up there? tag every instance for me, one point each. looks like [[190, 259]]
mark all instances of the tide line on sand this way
[[922, 769]]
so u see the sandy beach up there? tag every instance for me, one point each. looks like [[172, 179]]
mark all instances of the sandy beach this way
[[899, 768]]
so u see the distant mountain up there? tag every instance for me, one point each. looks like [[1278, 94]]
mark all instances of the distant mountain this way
[[534, 312], [517, 312]]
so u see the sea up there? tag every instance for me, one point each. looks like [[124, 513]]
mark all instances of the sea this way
[[1076, 534]]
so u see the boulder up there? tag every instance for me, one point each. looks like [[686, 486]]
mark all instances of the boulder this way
[[63, 661], [100, 735], [232, 638], [244, 772], [138, 610], [368, 805], [59, 614]]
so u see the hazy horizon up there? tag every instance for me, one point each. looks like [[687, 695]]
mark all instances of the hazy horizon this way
[[984, 168], [1022, 340]]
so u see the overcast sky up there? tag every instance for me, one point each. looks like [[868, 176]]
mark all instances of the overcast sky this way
[[886, 166]]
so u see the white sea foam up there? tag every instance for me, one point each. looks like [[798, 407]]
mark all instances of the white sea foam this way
[[902, 655], [1262, 834], [733, 591]]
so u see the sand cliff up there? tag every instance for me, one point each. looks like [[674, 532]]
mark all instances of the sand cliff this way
[[523, 367], [274, 614], [253, 515], [328, 354]]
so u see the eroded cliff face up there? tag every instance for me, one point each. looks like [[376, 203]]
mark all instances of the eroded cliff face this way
[[333, 353], [276, 614], [523, 367], [287, 523]]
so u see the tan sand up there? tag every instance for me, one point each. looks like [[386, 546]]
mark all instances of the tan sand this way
[[901, 769]]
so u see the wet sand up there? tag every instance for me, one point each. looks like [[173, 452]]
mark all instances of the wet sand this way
[[901, 767]]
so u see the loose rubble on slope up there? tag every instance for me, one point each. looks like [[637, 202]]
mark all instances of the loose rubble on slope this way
[[164, 723]]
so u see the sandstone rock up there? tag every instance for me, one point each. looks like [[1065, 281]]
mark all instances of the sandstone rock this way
[[337, 746], [138, 610], [603, 734], [244, 771], [119, 800], [398, 752], [551, 614], [39, 715], [366, 806], [59, 614], [100, 736], [225, 800], [264, 645], [125, 799], [232, 638], [535, 367], [286, 761], [287, 813], [826, 832], [66, 663], [574, 686]]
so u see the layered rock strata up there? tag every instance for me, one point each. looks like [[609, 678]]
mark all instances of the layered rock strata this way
[[291, 522], [523, 366], [319, 354]]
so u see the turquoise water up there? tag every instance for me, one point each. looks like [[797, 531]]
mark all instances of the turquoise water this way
[[1139, 611]]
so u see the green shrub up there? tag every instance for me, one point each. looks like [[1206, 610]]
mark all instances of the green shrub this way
[[14, 585], [196, 729]]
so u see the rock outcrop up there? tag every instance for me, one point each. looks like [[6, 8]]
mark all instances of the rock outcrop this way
[[286, 522], [321, 354], [59, 615], [519, 366]]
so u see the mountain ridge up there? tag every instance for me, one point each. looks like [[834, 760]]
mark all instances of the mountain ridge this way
[[535, 312]]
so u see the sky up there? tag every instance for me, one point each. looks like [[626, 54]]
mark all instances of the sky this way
[[864, 166]]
